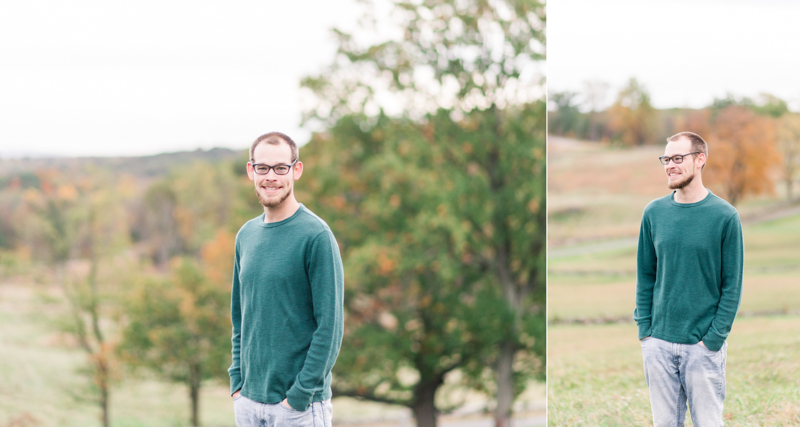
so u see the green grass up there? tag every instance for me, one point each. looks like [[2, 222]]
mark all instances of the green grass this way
[[603, 284], [39, 376], [595, 375], [595, 200], [40, 380]]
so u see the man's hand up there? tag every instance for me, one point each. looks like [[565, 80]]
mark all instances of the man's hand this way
[[701, 343], [235, 395], [286, 403]]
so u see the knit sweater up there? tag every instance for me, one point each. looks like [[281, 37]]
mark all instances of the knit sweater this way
[[286, 310], [689, 271]]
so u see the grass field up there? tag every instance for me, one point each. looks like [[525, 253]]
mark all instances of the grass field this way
[[595, 375], [40, 383], [596, 197]]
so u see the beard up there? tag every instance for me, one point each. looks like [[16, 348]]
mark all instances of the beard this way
[[682, 183], [274, 202]]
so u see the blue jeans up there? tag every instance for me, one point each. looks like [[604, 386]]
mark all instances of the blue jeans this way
[[250, 413], [681, 373]]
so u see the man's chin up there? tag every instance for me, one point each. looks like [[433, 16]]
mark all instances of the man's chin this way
[[272, 202], [680, 184]]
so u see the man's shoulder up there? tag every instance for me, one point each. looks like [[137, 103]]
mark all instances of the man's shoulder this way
[[312, 222], [249, 225], [722, 206], [658, 204]]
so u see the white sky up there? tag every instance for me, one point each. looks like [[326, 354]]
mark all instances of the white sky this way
[[685, 52], [92, 77]]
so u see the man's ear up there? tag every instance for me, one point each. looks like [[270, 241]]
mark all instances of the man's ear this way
[[298, 170], [250, 173]]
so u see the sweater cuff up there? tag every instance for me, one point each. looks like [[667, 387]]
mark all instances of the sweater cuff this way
[[644, 330], [713, 341], [236, 384], [299, 398]]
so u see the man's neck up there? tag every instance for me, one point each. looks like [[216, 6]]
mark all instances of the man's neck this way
[[281, 212], [692, 193]]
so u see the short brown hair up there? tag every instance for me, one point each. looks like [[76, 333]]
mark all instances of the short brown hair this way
[[275, 138], [698, 143]]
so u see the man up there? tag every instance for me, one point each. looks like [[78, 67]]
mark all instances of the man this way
[[286, 302], [688, 288]]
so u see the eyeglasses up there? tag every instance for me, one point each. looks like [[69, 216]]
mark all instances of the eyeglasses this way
[[677, 159], [262, 169]]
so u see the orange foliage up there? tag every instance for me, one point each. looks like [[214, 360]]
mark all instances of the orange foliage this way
[[697, 121], [217, 256], [742, 154], [631, 117]]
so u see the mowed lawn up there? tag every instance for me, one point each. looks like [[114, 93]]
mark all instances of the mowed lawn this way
[[41, 384], [595, 375], [595, 378], [603, 284]]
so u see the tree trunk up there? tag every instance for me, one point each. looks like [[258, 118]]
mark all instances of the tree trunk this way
[[102, 383], [424, 407], [505, 385], [194, 391]]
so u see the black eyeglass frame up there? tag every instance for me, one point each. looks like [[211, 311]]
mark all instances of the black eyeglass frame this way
[[674, 159], [272, 168]]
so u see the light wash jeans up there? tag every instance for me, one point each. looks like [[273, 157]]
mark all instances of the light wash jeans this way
[[677, 373], [250, 413]]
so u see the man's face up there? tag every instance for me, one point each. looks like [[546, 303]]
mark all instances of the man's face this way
[[273, 189], [679, 175]]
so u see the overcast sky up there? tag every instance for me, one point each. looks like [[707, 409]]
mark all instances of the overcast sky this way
[[94, 77], [685, 52]]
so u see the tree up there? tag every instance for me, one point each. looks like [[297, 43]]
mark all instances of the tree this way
[[770, 105], [179, 328], [85, 220], [454, 57], [595, 94], [566, 118], [743, 153], [789, 144], [631, 116]]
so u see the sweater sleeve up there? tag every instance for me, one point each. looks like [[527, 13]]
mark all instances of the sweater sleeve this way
[[326, 277], [732, 251], [646, 263], [235, 371]]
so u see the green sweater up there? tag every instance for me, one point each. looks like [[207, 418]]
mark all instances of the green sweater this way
[[286, 310], [689, 271]]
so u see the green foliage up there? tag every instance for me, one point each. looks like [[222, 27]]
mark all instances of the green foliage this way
[[179, 213], [178, 322], [423, 212], [431, 173], [566, 117], [179, 329], [452, 55]]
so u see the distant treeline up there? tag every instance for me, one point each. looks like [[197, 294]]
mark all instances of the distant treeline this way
[[749, 139]]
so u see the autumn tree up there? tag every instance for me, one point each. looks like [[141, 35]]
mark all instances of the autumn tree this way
[[789, 144], [180, 212], [742, 154], [457, 71], [85, 220], [179, 327], [632, 117]]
